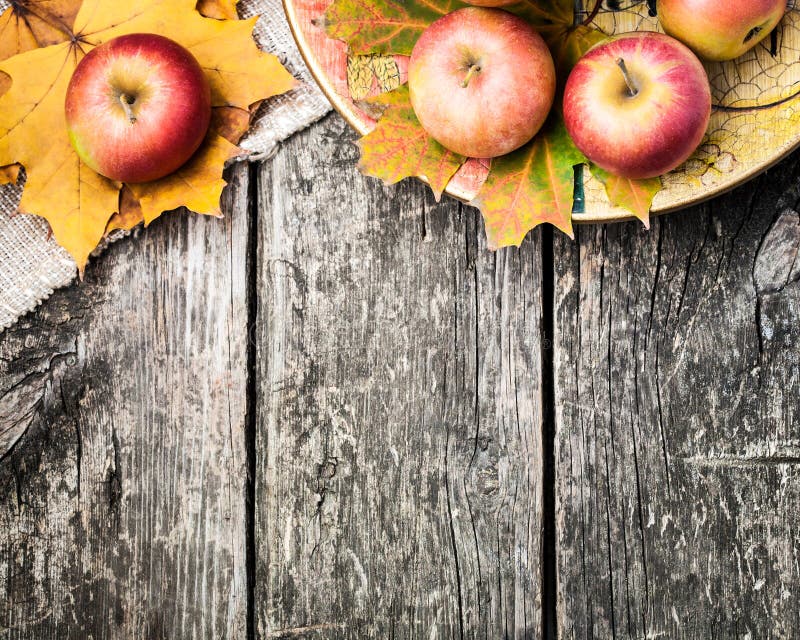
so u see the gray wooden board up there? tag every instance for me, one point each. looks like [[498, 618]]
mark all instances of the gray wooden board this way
[[397, 402], [122, 511], [677, 380], [399, 417]]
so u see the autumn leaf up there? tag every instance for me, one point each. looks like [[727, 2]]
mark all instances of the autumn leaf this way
[[399, 147], [219, 9], [30, 24], [634, 195], [129, 213], [79, 204], [569, 45], [231, 122], [530, 186], [197, 185], [544, 14], [391, 27], [83, 213], [9, 174], [384, 26]]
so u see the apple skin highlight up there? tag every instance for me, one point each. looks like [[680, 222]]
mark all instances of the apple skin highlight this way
[[499, 105], [720, 30], [167, 117], [645, 135]]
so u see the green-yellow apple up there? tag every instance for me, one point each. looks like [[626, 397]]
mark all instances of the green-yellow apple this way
[[638, 104], [720, 29], [481, 81], [137, 107]]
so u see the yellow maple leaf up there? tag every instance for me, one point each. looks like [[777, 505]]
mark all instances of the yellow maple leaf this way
[[9, 174], [220, 9], [78, 203], [30, 24], [197, 185], [129, 214]]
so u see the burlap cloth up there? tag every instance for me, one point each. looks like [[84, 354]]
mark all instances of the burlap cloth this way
[[33, 265]]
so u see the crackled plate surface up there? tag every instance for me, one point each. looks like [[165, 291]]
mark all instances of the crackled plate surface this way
[[754, 124]]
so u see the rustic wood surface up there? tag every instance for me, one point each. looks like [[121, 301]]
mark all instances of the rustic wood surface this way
[[678, 435], [336, 414]]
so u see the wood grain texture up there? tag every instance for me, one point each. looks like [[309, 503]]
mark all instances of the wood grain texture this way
[[122, 505], [398, 486], [678, 447]]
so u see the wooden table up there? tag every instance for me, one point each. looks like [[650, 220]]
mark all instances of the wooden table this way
[[336, 414]]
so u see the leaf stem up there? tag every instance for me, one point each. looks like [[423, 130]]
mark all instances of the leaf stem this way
[[633, 90], [126, 102], [475, 68]]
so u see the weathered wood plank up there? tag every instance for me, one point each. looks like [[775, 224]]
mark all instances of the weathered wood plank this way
[[678, 440], [122, 507], [398, 486]]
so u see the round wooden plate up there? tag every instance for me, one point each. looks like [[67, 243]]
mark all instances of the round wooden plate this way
[[754, 124]]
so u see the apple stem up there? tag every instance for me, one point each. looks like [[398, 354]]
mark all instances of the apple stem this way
[[475, 68], [632, 88], [126, 102]]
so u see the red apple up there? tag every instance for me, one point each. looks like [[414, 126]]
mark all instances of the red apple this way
[[720, 30], [137, 107], [638, 104], [481, 81]]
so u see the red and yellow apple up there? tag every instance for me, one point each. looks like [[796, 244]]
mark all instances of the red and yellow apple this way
[[717, 29], [481, 81], [638, 104], [137, 107]]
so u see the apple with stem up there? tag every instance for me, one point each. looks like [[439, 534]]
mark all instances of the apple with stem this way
[[638, 104], [481, 81], [717, 30], [137, 107]]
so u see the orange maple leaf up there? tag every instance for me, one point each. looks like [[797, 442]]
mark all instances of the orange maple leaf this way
[[398, 147], [129, 214], [79, 203], [634, 195], [530, 186]]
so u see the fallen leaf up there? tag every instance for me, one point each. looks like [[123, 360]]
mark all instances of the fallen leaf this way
[[384, 26], [544, 14], [530, 186], [634, 195], [77, 218], [75, 201], [129, 214], [391, 27], [30, 24], [79, 204], [197, 185], [399, 147], [568, 45], [231, 122], [219, 9], [9, 174]]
